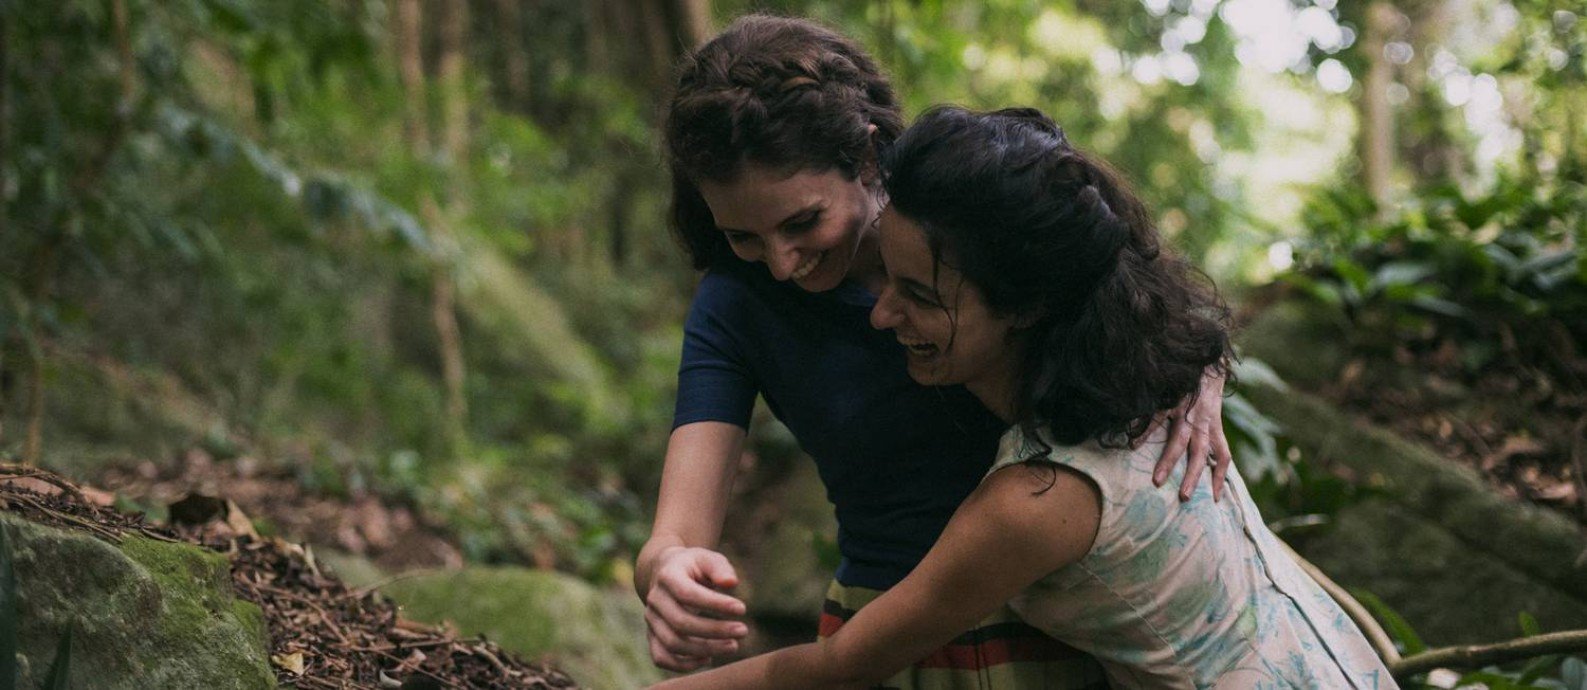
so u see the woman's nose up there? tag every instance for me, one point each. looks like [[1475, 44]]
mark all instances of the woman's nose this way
[[782, 258], [885, 314]]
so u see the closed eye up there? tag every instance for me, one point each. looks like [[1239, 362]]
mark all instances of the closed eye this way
[[916, 293], [802, 223]]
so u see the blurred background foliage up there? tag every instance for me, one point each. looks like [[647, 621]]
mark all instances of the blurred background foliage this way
[[418, 247]]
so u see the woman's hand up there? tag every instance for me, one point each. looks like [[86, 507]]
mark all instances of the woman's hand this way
[[1198, 427], [688, 619]]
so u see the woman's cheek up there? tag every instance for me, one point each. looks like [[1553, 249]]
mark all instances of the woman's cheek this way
[[743, 252]]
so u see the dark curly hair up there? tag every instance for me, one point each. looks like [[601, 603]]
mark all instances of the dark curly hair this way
[[1120, 328], [785, 93]]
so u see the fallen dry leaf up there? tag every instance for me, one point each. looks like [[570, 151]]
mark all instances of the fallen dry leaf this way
[[292, 663]]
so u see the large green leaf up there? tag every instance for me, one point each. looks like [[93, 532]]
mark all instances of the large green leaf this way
[[1393, 623]]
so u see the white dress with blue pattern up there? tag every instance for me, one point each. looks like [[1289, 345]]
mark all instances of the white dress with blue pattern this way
[[1187, 595]]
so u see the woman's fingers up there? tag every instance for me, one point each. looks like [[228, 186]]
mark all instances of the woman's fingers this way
[[672, 662], [1222, 458], [691, 594], [1198, 455], [685, 615], [715, 569], [683, 645], [685, 622], [1179, 430], [1194, 466]]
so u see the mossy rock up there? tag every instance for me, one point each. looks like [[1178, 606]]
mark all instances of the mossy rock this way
[[595, 636], [1302, 342], [1448, 591], [787, 579], [1544, 544], [144, 614]]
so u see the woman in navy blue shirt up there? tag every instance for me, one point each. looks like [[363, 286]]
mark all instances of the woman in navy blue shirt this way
[[771, 137]]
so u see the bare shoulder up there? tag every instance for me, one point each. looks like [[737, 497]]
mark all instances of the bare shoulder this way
[[1048, 512]]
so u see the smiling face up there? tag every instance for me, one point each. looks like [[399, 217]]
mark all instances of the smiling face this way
[[950, 334], [811, 228]]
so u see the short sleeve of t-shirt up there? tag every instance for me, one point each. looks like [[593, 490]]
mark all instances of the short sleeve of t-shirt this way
[[715, 383]]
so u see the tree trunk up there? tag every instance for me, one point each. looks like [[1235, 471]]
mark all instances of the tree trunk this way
[[454, 139], [5, 122], [410, 67], [409, 31], [443, 310], [693, 21], [453, 90], [1376, 113], [618, 203], [515, 60], [5, 211], [33, 446], [1427, 145]]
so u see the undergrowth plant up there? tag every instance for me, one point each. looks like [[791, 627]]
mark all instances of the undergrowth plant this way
[[1540, 672], [1502, 274]]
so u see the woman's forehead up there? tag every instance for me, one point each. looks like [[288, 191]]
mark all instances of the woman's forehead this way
[[760, 197], [903, 243]]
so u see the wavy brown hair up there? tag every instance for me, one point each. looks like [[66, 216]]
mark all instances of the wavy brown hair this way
[[784, 93], [1121, 328]]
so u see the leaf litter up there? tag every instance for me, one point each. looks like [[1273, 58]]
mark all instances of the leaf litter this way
[[323, 634]]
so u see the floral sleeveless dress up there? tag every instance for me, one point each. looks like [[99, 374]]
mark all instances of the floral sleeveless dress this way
[[1187, 595]]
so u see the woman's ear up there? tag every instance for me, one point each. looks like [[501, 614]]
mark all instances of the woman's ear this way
[[870, 166]]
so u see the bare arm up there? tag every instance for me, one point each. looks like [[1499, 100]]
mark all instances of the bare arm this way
[[678, 573], [1005, 536]]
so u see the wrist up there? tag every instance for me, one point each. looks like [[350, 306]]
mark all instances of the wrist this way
[[651, 556]]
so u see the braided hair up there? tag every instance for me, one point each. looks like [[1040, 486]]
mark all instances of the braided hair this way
[[1119, 328], [783, 93]]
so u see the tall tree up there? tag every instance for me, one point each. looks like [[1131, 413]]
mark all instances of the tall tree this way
[[5, 208], [454, 150], [1376, 139], [410, 65], [409, 32], [515, 59]]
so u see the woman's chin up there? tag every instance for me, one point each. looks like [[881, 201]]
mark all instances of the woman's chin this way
[[822, 279], [924, 373]]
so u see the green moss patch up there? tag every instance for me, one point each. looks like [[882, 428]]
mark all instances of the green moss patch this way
[[596, 636], [144, 614]]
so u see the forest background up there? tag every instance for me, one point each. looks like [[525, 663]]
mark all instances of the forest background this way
[[415, 252]]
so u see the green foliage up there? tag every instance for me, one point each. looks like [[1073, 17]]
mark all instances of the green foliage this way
[[1404, 636], [1471, 268], [1550, 671], [1292, 493], [230, 202], [999, 53]]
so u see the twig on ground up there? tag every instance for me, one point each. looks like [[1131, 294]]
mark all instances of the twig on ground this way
[[1480, 655]]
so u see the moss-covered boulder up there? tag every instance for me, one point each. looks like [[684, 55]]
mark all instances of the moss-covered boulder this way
[[786, 582], [594, 635], [1450, 591], [1459, 560], [143, 614]]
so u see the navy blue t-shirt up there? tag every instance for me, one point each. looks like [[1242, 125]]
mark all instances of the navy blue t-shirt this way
[[897, 457]]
